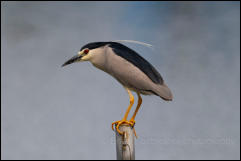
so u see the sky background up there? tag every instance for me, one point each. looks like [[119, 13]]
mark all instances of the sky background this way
[[49, 112]]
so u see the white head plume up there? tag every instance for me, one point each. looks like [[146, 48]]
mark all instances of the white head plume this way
[[135, 42]]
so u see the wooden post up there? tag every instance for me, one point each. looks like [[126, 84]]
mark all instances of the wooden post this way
[[125, 144]]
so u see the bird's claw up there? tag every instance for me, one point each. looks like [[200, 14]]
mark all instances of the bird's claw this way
[[120, 122]]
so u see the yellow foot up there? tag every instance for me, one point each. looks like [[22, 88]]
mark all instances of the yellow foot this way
[[120, 122]]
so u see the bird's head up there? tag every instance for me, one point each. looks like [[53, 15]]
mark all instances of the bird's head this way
[[86, 53], [83, 55]]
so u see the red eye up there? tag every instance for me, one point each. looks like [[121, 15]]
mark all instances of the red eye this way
[[86, 51]]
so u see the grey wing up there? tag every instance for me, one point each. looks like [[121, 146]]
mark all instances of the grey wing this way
[[134, 58], [135, 72], [130, 76]]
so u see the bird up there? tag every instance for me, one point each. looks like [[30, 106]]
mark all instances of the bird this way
[[129, 68]]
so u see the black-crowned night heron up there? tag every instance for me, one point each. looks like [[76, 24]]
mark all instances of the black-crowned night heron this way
[[129, 68]]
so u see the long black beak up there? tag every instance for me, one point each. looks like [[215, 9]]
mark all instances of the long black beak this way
[[72, 60]]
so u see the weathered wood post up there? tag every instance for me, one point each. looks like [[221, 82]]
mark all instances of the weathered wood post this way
[[125, 144]]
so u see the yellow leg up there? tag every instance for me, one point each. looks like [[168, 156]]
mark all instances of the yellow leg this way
[[137, 108], [124, 120], [132, 120]]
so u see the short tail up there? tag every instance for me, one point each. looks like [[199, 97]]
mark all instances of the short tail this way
[[164, 92]]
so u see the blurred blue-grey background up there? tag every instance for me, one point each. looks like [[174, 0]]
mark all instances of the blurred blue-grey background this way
[[49, 112]]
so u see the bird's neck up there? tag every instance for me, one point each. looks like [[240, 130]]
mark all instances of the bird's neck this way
[[99, 59]]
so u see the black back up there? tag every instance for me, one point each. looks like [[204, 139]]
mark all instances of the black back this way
[[131, 56]]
